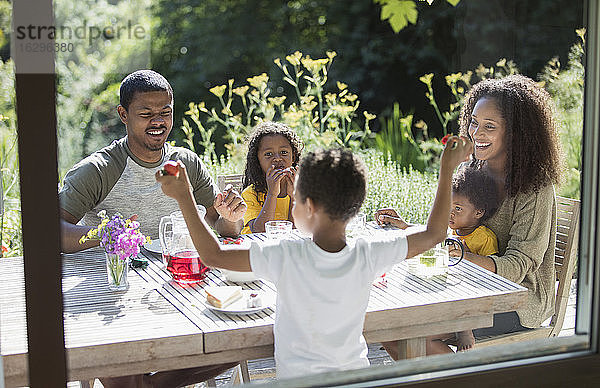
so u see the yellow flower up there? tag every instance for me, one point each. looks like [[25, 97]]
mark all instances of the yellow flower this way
[[241, 91], [421, 124], [341, 85], [426, 79], [351, 97], [369, 116], [294, 58], [292, 116], [218, 90], [276, 100], [330, 98], [501, 63], [202, 106], [258, 80], [314, 65], [277, 62], [306, 99], [331, 54], [466, 78], [308, 106], [453, 78], [482, 71]]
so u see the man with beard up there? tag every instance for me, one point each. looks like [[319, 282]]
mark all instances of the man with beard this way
[[120, 178]]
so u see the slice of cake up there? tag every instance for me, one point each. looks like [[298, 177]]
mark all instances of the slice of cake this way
[[222, 296]]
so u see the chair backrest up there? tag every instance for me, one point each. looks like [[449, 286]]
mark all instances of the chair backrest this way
[[234, 179], [565, 256]]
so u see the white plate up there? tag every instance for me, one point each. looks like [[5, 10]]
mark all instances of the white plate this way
[[239, 306], [238, 277], [153, 246]]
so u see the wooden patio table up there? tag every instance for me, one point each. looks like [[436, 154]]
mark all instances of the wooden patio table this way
[[159, 325]]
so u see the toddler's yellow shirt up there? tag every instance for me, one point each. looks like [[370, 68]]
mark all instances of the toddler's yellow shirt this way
[[255, 202], [482, 241]]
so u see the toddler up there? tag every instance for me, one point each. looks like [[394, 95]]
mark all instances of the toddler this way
[[474, 199], [323, 284], [273, 155]]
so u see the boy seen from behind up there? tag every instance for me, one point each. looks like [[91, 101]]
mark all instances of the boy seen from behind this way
[[323, 284]]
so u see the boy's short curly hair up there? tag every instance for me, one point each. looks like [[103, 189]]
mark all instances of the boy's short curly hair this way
[[253, 173], [334, 179], [534, 157], [478, 187]]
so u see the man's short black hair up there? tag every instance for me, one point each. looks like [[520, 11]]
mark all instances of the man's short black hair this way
[[478, 187], [142, 81], [335, 180]]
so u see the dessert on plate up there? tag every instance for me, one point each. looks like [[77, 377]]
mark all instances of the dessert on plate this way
[[253, 301], [222, 296]]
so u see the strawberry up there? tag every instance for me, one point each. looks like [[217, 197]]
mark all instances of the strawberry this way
[[170, 168], [445, 139]]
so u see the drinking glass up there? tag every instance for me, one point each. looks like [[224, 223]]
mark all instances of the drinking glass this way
[[356, 224], [278, 230]]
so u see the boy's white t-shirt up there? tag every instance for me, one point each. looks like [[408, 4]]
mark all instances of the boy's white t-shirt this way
[[322, 298]]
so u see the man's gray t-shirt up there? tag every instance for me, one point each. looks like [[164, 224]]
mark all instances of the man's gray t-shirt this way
[[115, 180]]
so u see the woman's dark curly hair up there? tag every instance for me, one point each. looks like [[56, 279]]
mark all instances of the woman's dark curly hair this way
[[253, 173], [478, 187], [534, 157], [335, 179]]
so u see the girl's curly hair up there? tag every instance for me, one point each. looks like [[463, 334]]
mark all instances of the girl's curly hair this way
[[534, 156], [253, 173]]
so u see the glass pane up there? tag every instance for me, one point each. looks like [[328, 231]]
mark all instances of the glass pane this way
[[388, 83]]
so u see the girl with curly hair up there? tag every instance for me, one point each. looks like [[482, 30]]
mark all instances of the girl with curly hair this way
[[510, 121], [273, 155]]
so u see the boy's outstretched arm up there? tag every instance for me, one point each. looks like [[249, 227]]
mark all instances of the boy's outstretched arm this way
[[456, 151], [211, 252]]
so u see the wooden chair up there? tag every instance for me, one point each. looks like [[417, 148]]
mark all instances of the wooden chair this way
[[565, 257], [234, 179]]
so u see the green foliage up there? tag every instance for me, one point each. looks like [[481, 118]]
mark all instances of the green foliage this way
[[401, 12], [89, 77], [409, 191], [200, 44], [5, 21], [396, 141], [566, 87], [321, 120], [10, 223]]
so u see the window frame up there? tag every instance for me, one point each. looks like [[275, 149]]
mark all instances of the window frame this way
[[41, 239]]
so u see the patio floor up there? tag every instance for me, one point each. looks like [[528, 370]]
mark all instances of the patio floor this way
[[264, 369]]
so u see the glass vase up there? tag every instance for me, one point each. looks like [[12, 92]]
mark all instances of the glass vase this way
[[116, 271]]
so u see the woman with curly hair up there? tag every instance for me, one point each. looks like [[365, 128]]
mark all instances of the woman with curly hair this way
[[511, 124], [273, 155]]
